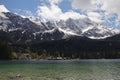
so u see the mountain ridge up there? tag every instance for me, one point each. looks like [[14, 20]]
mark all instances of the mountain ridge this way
[[31, 29]]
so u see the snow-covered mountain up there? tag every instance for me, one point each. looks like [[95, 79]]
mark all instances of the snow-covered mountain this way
[[31, 28], [86, 27], [3, 9]]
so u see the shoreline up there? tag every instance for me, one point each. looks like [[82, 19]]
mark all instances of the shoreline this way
[[64, 60]]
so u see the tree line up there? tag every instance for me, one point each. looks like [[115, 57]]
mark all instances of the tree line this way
[[74, 48]]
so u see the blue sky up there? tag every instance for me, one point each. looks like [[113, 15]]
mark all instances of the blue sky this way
[[19, 6], [12, 5], [108, 12]]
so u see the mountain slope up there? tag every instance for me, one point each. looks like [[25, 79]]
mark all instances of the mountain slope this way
[[30, 29], [88, 28], [114, 38]]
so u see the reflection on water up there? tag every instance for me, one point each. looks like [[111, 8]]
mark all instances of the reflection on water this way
[[60, 70]]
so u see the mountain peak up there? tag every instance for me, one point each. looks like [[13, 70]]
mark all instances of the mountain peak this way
[[3, 9]]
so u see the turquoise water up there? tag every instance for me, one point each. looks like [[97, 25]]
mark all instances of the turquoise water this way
[[60, 70]]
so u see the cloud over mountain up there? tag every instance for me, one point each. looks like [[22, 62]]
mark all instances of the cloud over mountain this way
[[94, 16], [54, 12], [83, 4], [111, 5], [106, 11]]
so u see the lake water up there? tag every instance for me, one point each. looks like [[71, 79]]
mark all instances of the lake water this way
[[60, 70]]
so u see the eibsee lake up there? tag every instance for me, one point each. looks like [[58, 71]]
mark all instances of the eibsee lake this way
[[60, 70]]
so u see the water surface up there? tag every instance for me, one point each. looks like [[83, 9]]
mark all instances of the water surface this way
[[60, 70]]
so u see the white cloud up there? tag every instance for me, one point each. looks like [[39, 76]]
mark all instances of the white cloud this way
[[71, 14], [49, 13], [94, 16], [54, 1], [112, 19], [117, 23], [53, 12], [107, 5], [83, 4], [111, 6]]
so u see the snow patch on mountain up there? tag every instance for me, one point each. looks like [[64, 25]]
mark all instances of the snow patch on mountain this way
[[86, 27], [3, 27], [32, 28], [35, 20], [67, 32], [60, 30], [2, 15], [3, 9], [92, 37], [14, 29]]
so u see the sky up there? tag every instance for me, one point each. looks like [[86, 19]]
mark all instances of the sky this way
[[107, 11]]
